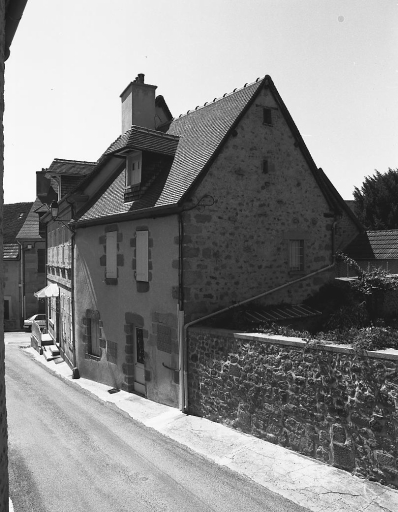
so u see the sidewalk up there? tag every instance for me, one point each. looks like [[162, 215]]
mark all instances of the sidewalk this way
[[307, 482]]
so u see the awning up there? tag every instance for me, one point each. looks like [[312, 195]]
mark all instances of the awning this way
[[52, 290]]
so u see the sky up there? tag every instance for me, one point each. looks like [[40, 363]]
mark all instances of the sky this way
[[334, 62]]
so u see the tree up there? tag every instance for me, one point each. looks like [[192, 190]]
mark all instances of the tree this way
[[376, 202]]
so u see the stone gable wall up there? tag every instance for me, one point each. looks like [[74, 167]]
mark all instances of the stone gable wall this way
[[324, 402], [236, 238]]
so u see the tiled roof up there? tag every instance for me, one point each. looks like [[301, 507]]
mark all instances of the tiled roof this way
[[60, 166], [10, 251], [30, 228], [378, 245], [14, 216], [199, 134], [145, 140]]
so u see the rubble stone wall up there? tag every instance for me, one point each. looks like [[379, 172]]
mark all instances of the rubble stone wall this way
[[326, 402]]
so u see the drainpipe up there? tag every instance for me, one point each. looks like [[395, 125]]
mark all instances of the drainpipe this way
[[22, 270], [72, 228], [75, 370], [334, 241], [184, 369], [180, 316]]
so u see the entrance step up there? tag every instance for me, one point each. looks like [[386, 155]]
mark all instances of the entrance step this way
[[50, 352]]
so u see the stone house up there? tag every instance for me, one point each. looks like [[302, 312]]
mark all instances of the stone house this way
[[185, 217], [10, 16], [14, 216]]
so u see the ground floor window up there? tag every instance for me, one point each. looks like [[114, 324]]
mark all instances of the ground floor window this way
[[93, 332], [7, 308]]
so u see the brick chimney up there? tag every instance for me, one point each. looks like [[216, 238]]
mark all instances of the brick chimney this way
[[138, 104]]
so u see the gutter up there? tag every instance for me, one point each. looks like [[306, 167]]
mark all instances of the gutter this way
[[183, 332], [155, 211]]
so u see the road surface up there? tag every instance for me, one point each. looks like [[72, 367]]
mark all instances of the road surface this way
[[70, 451]]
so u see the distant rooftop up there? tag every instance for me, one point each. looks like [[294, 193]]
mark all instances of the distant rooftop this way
[[70, 167], [378, 245]]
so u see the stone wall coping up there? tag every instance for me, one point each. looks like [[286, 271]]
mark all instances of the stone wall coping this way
[[389, 353]]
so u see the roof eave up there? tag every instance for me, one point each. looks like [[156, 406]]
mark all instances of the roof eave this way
[[155, 211]]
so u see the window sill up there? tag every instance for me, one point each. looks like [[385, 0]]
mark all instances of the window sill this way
[[93, 357]]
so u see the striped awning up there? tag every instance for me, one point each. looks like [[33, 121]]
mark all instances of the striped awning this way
[[51, 290]]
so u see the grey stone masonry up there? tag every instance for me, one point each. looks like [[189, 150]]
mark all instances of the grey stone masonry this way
[[324, 401]]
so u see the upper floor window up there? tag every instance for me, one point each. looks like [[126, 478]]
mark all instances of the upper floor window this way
[[111, 255], [133, 169], [267, 116], [296, 254], [41, 261]]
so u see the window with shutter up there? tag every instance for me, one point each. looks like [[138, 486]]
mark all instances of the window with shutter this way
[[142, 256], [133, 169], [111, 254]]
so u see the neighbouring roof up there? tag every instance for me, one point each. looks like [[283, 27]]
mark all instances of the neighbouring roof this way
[[60, 166], [14, 217], [30, 228], [281, 312], [374, 245]]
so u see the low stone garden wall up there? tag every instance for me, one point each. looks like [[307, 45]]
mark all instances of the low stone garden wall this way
[[324, 401]]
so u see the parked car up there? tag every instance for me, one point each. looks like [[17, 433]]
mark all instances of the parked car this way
[[39, 319]]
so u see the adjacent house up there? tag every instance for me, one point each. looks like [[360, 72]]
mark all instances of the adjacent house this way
[[33, 262], [184, 217], [24, 258], [54, 183], [14, 217]]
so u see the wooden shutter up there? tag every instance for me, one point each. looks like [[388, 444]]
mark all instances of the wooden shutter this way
[[142, 255], [111, 252]]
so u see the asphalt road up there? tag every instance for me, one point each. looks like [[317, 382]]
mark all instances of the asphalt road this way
[[70, 451]]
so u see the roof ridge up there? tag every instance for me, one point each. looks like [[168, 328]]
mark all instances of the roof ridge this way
[[225, 95], [74, 161]]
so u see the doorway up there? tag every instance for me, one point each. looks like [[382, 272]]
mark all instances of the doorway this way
[[139, 361]]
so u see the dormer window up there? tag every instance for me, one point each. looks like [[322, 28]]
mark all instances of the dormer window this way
[[133, 169]]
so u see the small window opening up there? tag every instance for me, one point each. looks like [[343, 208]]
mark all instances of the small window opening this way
[[296, 255], [267, 116]]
